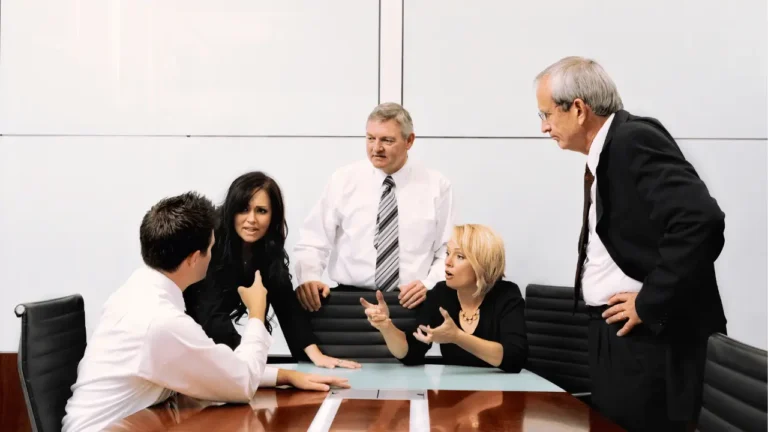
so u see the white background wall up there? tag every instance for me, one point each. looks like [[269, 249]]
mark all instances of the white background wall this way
[[108, 106]]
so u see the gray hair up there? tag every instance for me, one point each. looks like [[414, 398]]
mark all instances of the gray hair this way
[[392, 111], [573, 78]]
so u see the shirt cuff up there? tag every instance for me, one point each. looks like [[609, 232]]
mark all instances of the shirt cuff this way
[[256, 332], [269, 377], [429, 283], [307, 273]]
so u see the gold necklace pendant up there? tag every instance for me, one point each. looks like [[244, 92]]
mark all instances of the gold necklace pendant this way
[[473, 317]]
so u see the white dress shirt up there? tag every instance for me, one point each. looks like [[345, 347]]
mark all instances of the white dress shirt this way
[[602, 278], [339, 231], [145, 348]]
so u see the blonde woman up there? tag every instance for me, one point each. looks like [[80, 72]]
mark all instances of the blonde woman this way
[[477, 318]]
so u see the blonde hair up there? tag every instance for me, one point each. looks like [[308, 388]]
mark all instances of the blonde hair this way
[[484, 249]]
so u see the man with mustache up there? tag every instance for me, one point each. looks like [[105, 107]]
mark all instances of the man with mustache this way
[[381, 223]]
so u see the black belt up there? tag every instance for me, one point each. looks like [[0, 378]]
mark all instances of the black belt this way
[[342, 287], [596, 311]]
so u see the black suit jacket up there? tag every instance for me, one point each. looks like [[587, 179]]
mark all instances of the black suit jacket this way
[[661, 227]]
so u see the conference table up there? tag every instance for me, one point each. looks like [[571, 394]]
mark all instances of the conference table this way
[[387, 397]]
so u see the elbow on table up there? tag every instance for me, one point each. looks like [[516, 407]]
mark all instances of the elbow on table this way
[[242, 393], [511, 367], [411, 360], [514, 362]]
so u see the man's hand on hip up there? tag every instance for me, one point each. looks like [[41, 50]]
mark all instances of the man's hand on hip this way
[[622, 308], [309, 294], [412, 294]]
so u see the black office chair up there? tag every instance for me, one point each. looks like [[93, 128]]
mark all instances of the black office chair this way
[[558, 338], [734, 397], [343, 331], [52, 344]]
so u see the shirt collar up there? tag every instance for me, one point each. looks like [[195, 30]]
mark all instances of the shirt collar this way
[[399, 177], [164, 284], [597, 145]]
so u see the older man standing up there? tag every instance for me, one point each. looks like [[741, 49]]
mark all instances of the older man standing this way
[[651, 233], [381, 223]]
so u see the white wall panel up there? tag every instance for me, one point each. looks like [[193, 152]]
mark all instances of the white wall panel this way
[[71, 206], [700, 68], [187, 67]]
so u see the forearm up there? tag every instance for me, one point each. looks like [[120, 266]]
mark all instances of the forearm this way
[[487, 351], [283, 377], [313, 352], [294, 321], [211, 371], [395, 340], [258, 313]]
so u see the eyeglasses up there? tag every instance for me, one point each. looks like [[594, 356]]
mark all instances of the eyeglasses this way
[[544, 116]]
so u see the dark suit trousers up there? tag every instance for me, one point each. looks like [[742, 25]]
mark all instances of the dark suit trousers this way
[[629, 376]]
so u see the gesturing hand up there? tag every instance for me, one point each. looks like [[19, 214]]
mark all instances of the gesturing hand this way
[[254, 297], [446, 333], [378, 314]]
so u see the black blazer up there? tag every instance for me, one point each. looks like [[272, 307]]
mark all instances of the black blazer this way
[[661, 226]]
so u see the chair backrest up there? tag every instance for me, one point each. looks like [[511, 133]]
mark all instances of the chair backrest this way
[[734, 394], [557, 337], [51, 345], [343, 331]]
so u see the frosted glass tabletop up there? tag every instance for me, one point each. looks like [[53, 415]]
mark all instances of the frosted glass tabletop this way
[[395, 376]]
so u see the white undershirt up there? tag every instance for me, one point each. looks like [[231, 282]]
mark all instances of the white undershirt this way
[[602, 278]]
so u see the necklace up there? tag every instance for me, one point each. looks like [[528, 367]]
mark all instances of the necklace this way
[[469, 318]]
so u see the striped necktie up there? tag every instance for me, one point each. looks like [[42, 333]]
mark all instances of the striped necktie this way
[[385, 241]]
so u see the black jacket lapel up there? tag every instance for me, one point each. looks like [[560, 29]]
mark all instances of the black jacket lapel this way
[[619, 118]]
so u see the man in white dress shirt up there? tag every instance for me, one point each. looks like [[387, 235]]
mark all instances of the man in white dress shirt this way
[[381, 223], [145, 347]]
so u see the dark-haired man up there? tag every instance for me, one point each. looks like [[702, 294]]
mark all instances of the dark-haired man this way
[[145, 347]]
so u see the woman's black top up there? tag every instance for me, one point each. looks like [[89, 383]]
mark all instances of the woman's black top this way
[[502, 320], [211, 303]]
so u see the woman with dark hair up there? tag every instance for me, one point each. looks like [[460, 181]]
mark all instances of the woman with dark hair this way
[[250, 236]]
